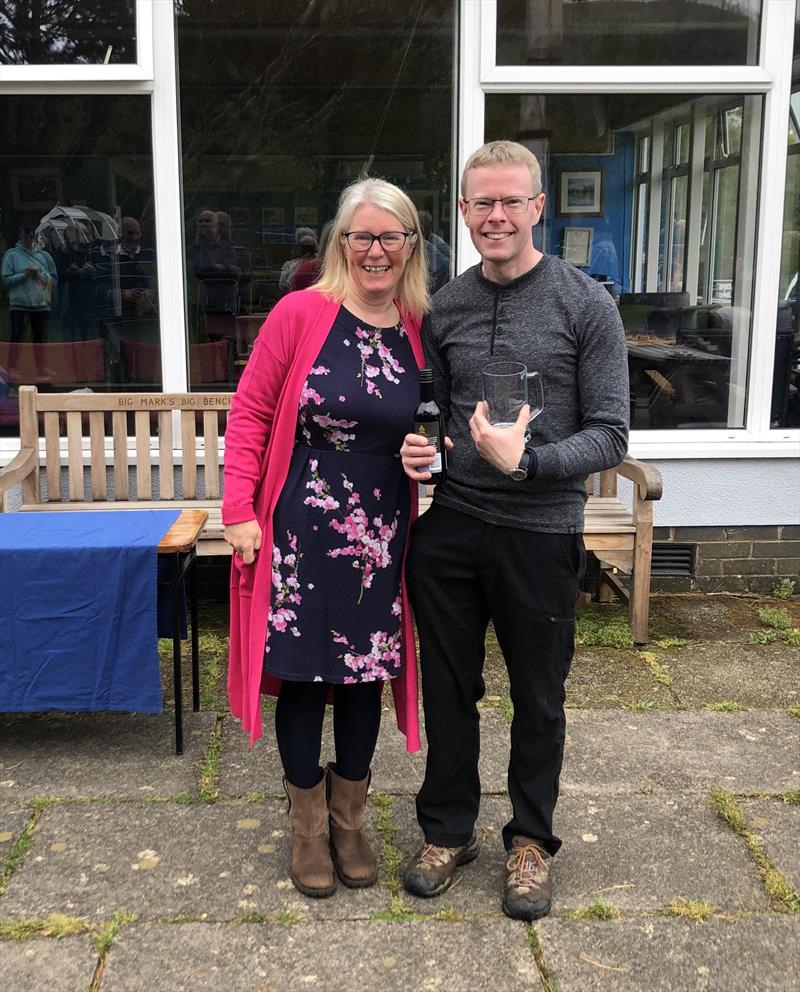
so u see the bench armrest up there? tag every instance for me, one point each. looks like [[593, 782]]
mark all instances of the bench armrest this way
[[19, 468], [646, 477]]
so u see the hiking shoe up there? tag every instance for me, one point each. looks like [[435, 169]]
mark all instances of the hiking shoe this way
[[430, 872], [529, 887]]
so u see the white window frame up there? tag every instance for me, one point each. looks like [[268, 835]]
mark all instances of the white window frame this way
[[480, 75], [141, 69], [154, 75]]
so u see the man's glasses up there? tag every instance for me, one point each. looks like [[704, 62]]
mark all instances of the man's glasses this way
[[389, 240], [480, 206]]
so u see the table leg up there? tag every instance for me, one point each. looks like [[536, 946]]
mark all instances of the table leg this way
[[177, 677], [195, 646]]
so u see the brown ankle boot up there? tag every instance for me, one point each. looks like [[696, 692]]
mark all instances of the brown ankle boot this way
[[312, 868], [356, 864]]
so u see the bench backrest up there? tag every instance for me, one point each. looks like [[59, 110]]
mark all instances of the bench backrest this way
[[103, 423]]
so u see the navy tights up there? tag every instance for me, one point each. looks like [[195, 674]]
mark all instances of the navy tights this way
[[298, 727]]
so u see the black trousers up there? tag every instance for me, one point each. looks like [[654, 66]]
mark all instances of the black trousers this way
[[461, 574]]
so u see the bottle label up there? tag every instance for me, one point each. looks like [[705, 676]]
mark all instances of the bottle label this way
[[431, 432]]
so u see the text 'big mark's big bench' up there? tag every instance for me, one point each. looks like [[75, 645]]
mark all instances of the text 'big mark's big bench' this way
[[115, 450]]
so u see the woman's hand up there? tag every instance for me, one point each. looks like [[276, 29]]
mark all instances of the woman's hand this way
[[417, 456], [500, 446], [245, 539]]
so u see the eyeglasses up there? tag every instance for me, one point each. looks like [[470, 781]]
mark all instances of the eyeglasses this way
[[389, 240], [480, 206]]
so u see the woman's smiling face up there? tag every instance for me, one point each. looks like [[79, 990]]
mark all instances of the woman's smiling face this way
[[375, 273]]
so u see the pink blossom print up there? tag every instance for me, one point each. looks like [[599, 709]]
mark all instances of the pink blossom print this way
[[382, 661], [286, 588], [376, 360]]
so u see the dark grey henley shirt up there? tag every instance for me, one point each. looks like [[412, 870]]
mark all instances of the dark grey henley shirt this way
[[559, 322]]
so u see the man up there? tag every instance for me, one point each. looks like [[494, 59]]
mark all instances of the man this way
[[502, 541], [213, 263]]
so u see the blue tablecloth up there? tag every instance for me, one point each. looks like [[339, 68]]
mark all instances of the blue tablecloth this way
[[78, 610]]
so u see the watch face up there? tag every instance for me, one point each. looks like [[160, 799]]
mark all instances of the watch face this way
[[518, 474]]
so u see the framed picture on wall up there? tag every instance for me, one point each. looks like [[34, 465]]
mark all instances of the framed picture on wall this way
[[580, 194], [577, 247]]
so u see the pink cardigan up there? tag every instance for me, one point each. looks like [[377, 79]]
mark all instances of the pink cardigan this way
[[258, 448]]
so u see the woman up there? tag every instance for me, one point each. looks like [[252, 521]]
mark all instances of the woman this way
[[317, 511]]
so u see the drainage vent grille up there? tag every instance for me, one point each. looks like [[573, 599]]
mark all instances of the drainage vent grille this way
[[672, 559]]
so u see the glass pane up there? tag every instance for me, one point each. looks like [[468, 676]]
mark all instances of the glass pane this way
[[785, 407], [628, 32], [686, 306], [67, 32], [79, 303], [273, 129], [682, 144], [643, 164]]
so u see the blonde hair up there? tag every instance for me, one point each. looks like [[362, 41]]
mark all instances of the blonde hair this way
[[503, 153], [412, 290]]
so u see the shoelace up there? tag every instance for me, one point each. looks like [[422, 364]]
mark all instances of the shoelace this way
[[525, 862], [434, 857]]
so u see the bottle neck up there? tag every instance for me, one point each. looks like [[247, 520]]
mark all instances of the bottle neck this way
[[426, 392]]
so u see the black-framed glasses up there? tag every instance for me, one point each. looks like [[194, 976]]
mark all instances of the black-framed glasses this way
[[480, 206], [389, 240]]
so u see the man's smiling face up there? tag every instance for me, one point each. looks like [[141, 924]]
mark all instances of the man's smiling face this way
[[503, 240]]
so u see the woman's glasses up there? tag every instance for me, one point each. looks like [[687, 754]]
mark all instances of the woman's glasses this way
[[389, 240]]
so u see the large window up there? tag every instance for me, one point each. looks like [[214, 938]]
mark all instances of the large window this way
[[785, 410], [628, 32], [283, 104], [78, 294], [666, 187], [67, 32]]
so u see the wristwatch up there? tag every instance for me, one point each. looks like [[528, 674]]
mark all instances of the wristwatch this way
[[520, 473]]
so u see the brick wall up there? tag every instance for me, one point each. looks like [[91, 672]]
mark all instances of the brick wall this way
[[733, 559]]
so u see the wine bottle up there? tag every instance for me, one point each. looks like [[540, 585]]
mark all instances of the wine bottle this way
[[429, 423]]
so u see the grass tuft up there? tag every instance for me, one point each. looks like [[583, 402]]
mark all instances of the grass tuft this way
[[782, 895], [21, 845], [792, 797], [209, 766], [691, 909], [795, 711], [783, 589], [792, 637], [538, 957], [775, 616], [724, 706], [672, 642], [762, 637], [662, 677], [598, 910], [104, 938], [56, 925], [592, 629], [640, 705]]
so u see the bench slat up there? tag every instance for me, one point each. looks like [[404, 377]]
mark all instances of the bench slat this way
[[75, 455], [144, 484], [98, 460], [166, 463], [211, 442], [52, 453], [120, 428], [188, 445]]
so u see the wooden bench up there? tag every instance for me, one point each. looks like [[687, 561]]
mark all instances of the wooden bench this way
[[97, 428], [621, 538], [118, 450]]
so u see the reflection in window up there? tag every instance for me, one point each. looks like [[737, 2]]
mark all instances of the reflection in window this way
[[67, 32], [673, 241], [628, 32], [786, 375], [273, 128], [78, 289]]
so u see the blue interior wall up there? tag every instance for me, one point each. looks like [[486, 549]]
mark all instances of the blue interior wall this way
[[614, 225]]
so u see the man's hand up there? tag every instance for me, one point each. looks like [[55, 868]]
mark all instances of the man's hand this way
[[417, 456], [245, 539], [500, 446]]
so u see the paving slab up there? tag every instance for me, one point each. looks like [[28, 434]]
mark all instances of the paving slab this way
[[753, 675], [65, 965], [161, 860], [777, 826], [99, 755], [394, 771], [612, 752], [336, 957], [609, 677], [663, 955], [13, 817], [638, 853]]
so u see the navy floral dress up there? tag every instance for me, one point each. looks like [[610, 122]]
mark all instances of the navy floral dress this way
[[341, 522]]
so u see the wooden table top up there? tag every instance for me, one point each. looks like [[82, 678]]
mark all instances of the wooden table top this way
[[183, 534]]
